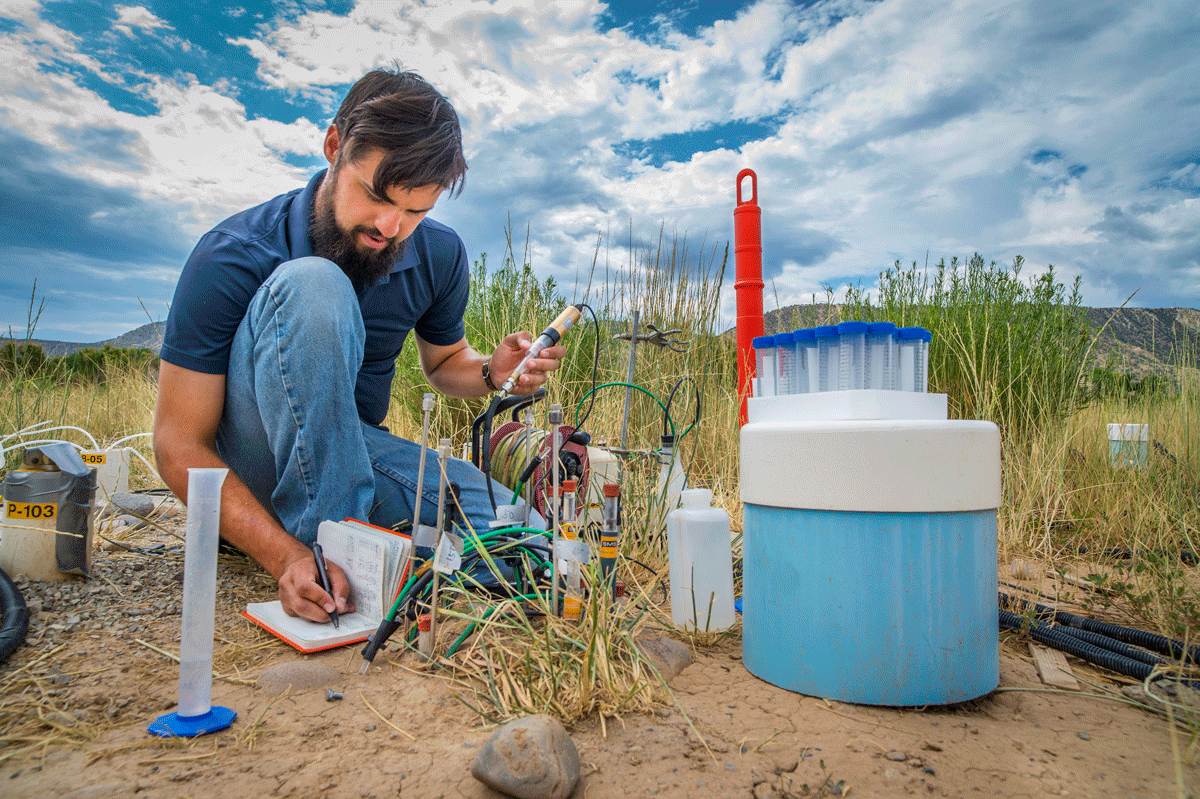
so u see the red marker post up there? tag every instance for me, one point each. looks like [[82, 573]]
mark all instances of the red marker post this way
[[748, 286]]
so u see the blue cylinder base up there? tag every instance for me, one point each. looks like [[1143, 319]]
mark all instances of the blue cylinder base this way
[[174, 725], [871, 608]]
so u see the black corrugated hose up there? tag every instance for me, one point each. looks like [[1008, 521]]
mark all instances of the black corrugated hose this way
[[16, 616], [1055, 637], [1128, 635]]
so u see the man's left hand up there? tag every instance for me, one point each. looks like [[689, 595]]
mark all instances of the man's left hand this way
[[509, 353]]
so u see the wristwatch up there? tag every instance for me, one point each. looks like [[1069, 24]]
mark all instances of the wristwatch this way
[[487, 375]]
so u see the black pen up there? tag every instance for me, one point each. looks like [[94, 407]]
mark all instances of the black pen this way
[[320, 558]]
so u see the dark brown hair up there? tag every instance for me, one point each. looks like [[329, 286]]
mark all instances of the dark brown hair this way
[[415, 126]]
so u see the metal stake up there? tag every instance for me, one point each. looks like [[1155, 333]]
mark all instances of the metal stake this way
[[443, 457], [633, 337], [556, 417]]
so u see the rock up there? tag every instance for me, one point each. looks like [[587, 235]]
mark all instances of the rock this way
[[668, 655], [134, 504], [897, 756], [297, 675], [530, 758]]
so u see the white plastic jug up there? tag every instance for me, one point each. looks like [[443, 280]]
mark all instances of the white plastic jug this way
[[701, 564]]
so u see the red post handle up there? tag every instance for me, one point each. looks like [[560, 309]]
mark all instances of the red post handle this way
[[748, 285]]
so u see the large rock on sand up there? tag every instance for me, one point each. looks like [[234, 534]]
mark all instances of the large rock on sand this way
[[530, 758]]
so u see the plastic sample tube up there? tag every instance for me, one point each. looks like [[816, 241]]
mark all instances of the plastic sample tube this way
[[786, 360], [806, 344], [921, 377], [764, 355], [800, 364], [829, 362], [909, 340], [852, 355], [199, 591], [881, 360]]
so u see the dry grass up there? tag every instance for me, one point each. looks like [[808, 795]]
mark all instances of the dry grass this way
[[524, 660]]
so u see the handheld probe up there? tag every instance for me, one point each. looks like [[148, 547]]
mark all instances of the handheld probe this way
[[550, 336]]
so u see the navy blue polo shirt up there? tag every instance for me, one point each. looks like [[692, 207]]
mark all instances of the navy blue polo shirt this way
[[426, 290]]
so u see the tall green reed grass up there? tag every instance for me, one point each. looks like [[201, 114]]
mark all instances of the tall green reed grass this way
[[1006, 349]]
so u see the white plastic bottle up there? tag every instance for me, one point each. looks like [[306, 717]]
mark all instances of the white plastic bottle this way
[[701, 564], [672, 480]]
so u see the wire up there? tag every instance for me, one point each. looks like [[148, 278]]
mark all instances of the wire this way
[[595, 368], [624, 385], [671, 397]]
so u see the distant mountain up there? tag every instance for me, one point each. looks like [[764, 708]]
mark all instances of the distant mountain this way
[[1136, 340], [147, 336]]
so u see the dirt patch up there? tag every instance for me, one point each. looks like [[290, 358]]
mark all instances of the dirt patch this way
[[79, 696]]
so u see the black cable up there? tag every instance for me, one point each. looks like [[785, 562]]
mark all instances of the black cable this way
[[16, 616], [667, 410], [595, 364], [666, 596]]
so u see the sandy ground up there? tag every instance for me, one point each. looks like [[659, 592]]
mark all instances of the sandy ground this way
[[399, 732]]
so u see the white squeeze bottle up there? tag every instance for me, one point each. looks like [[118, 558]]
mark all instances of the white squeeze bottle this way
[[701, 564]]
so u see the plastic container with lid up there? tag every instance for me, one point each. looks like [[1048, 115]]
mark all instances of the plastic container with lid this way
[[869, 574], [785, 355], [806, 345], [701, 564], [800, 364], [881, 356], [852, 355], [828, 358], [912, 363], [764, 356]]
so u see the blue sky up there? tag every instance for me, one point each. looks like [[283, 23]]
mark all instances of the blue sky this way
[[1066, 132]]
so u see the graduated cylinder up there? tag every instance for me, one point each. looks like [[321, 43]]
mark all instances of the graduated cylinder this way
[[869, 571]]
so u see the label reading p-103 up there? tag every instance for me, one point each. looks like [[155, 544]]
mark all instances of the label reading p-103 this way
[[31, 510], [94, 458]]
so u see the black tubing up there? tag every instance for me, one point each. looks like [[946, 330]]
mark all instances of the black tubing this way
[[1129, 635], [16, 616], [1122, 649], [1051, 636]]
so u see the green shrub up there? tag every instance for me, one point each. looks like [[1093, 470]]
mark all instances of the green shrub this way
[[1004, 349]]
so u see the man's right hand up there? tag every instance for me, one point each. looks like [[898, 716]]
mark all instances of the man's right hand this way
[[301, 594]]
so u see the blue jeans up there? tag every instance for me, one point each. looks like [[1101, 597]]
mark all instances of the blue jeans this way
[[290, 428]]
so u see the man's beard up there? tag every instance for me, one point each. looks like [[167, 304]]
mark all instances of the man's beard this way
[[332, 242]]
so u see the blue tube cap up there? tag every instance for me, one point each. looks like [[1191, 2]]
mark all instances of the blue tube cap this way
[[917, 333], [807, 334], [852, 328], [784, 338], [761, 342], [825, 331], [174, 725], [881, 328]]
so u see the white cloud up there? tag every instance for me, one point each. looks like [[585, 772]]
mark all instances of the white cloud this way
[[140, 17], [1060, 130]]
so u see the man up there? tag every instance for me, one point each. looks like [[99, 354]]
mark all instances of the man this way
[[281, 342]]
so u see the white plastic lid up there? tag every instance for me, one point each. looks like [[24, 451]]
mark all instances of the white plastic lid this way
[[696, 498]]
